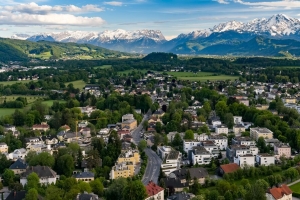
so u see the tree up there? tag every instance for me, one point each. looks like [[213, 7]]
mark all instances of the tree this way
[[135, 190], [228, 195], [158, 127], [4, 163], [207, 107], [257, 190], [84, 187], [221, 109], [29, 120], [145, 124], [97, 187], [189, 134], [177, 141], [31, 194], [195, 187], [115, 190], [8, 177], [213, 195], [54, 193], [43, 159], [32, 181], [65, 165], [228, 120], [142, 145]]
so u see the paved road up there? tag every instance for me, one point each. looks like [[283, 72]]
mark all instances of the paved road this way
[[153, 166]]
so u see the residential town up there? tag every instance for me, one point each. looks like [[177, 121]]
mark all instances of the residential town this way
[[158, 136]]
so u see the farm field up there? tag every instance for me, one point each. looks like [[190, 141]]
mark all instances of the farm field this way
[[30, 98], [295, 188], [6, 111], [103, 67], [201, 76], [49, 103], [77, 84], [13, 82], [131, 70], [210, 78]]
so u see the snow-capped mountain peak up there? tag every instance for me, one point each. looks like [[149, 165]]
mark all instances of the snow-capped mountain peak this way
[[231, 25]]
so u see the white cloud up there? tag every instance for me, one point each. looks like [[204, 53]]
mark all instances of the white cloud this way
[[113, 3], [274, 4], [9, 18], [222, 1], [33, 8], [4, 29]]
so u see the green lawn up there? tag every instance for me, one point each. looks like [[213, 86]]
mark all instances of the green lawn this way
[[210, 78], [103, 67], [6, 111], [190, 74], [131, 70], [77, 84], [30, 98], [201, 76], [50, 102], [295, 187], [13, 82], [45, 55]]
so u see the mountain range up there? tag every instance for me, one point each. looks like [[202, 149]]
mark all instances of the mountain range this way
[[266, 37]]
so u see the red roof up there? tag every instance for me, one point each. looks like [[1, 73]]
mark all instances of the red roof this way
[[279, 192], [153, 189], [229, 168], [40, 126]]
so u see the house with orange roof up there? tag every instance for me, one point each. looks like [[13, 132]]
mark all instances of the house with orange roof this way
[[279, 193], [154, 191], [228, 168]]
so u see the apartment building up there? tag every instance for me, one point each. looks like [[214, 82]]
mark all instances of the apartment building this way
[[201, 156], [3, 147], [219, 140], [247, 160], [258, 132], [265, 159], [282, 149]]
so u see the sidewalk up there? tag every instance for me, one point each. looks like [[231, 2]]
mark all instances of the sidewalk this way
[[297, 181]]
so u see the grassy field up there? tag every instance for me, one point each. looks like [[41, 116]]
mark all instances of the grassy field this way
[[295, 187], [13, 82], [210, 78], [45, 55], [131, 70], [77, 84], [190, 74], [103, 67], [201, 76], [50, 102], [30, 98], [6, 111]]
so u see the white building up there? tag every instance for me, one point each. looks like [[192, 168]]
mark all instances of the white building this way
[[220, 141], [247, 160], [171, 162], [189, 144], [127, 117], [265, 159], [16, 154], [221, 129], [237, 119], [201, 137], [45, 173], [163, 151], [211, 148], [246, 141], [201, 156], [216, 123]]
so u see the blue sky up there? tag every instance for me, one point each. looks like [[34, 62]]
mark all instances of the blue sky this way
[[172, 17]]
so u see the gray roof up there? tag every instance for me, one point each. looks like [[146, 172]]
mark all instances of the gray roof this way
[[84, 175], [19, 164], [87, 197], [194, 172], [41, 171]]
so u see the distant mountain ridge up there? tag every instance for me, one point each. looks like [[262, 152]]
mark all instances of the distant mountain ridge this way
[[231, 33]]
